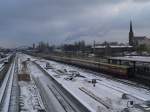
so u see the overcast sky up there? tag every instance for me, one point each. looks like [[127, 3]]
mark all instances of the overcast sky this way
[[23, 22]]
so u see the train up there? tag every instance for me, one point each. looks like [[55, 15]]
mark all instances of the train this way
[[6, 62], [140, 74], [122, 71]]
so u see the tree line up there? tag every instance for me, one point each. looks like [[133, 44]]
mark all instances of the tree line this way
[[79, 46]]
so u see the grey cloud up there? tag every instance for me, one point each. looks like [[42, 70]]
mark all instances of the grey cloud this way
[[141, 0], [58, 21]]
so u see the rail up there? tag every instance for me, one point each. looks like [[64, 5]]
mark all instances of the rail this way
[[78, 106], [15, 92]]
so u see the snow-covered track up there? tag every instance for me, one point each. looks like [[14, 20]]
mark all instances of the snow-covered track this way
[[89, 93], [6, 88], [62, 100], [123, 81], [66, 99], [123, 91]]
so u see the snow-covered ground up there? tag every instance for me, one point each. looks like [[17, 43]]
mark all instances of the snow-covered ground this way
[[106, 96], [30, 99]]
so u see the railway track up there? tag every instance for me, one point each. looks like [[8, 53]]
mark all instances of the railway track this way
[[68, 102], [119, 80], [116, 88], [62, 100], [6, 89], [131, 82]]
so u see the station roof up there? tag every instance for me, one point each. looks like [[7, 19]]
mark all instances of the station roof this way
[[143, 59], [113, 46]]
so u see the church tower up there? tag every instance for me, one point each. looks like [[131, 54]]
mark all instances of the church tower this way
[[131, 35]]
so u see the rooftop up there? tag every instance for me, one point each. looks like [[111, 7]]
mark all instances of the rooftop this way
[[133, 58], [113, 46]]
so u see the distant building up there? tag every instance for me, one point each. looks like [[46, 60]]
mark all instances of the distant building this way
[[111, 50], [137, 40]]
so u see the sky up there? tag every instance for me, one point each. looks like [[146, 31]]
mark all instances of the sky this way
[[24, 22]]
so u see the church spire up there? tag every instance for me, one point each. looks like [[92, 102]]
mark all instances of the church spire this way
[[131, 30], [131, 35]]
